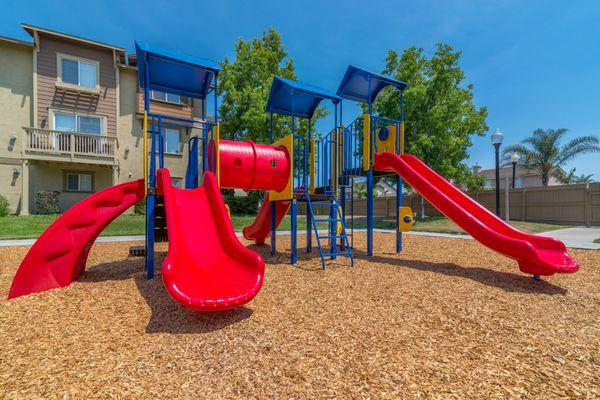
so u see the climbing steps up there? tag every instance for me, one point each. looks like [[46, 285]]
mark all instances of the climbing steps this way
[[336, 238]]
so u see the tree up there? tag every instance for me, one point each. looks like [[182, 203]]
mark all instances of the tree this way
[[245, 84], [440, 116], [583, 178], [543, 153]]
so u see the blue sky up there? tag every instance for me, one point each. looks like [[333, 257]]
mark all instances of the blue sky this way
[[533, 63]]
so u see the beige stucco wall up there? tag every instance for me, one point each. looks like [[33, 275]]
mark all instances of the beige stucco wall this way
[[129, 152], [50, 176], [16, 92]]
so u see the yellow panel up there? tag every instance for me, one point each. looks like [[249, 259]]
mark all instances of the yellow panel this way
[[288, 192], [228, 210], [406, 219], [366, 142], [312, 166], [390, 143]]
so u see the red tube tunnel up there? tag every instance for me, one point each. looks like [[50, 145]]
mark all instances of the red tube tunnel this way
[[247, 165]]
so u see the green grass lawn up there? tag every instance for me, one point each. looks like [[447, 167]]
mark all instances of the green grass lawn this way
[[31, 226]]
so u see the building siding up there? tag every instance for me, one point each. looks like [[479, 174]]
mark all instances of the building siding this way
[[160, 107], [48, 97], [16, 99]]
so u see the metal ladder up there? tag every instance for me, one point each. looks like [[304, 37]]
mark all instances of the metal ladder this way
[[335, 217]]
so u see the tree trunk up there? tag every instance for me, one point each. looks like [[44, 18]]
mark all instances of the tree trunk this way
[[422, 207]]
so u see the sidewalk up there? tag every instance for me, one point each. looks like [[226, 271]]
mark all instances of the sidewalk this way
[[578, 238]]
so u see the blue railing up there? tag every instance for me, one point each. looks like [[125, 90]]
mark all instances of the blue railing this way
[[301, 170]]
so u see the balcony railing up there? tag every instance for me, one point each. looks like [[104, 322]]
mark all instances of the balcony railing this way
[[71, 143]]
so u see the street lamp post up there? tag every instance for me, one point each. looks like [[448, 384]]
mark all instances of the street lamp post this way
[[514, 159], [497, 137]]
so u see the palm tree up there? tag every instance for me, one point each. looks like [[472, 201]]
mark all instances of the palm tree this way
[[544, 153], [583, 178]]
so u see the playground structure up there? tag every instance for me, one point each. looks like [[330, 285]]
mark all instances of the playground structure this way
[[207, 268]]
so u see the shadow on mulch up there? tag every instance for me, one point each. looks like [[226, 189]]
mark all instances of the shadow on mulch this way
[[167, 316], [506, 281], [510, 282]]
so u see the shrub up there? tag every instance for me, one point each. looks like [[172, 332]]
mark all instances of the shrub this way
[[243, 205], [46, 202], [140, 208], [4, 206]]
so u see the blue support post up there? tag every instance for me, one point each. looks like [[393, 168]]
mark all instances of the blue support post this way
[[273, 228], [294, 238], [370, 212], [308, 217], [399, 194], [398, 205], [332, 232], [272, 203], [343, 207], [370, 182], [150, 199]]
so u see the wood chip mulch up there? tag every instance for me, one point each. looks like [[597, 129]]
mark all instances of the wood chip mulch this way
[[446, 319]]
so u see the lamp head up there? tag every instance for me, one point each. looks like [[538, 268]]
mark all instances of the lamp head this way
[[514, 158], [497, 137]]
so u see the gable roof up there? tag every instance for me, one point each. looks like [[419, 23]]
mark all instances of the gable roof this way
[[174, 72], [32, 28], [363, 86], [289, 97]]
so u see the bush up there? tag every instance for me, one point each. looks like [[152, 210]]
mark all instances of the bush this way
[[46, 202], [243, 205], [4, 206], [140, 208]]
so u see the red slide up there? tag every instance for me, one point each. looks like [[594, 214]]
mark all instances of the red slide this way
[[58, 256], [206, 268], [261, 227], [537, 255]]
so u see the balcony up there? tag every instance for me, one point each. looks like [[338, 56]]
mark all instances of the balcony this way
[[69, 146]]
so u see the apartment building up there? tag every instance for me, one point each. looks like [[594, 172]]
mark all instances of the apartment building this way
[[71, 119]]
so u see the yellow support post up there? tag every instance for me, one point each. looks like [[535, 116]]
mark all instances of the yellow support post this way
[[366, 142], [311, 167], [402, 137], [145, 150]]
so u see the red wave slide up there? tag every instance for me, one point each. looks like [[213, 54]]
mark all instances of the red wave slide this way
[[206, 268], [537, 255], [59, 255], [260, 229]]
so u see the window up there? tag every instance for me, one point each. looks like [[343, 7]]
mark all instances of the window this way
[[78, 182], [79, 72], [166, 97], [171, 136], [177, 182], [78, 123]]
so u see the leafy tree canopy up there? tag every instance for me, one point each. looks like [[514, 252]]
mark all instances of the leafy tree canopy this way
[[439, 113], [245, 83]]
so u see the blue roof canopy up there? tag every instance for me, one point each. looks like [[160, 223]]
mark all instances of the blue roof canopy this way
[[355, 85], [174, 72], [306, 98]]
